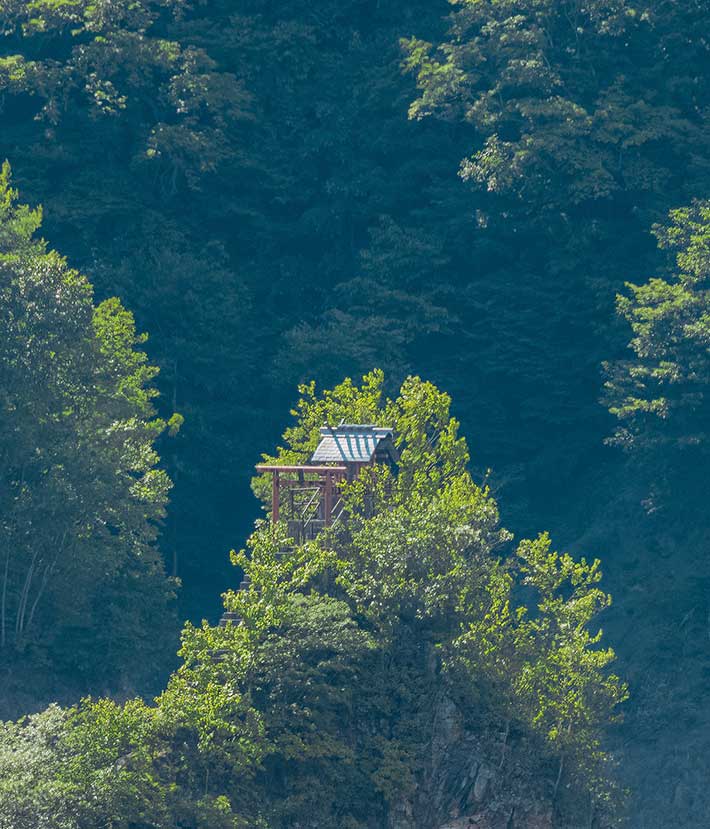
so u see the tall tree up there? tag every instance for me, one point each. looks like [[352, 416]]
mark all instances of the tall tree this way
[[138, 128], [82, 496], [660, 395]]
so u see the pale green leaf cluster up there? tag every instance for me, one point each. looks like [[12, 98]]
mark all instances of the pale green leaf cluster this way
[[661, 395]]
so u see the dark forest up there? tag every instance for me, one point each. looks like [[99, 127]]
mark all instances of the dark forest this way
[[482, 225]]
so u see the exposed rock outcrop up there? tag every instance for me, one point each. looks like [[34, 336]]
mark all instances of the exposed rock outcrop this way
[[465, 787]]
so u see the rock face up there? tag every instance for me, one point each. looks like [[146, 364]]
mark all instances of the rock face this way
[[465, 788]]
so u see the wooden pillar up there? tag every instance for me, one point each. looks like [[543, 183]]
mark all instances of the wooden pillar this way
[[275, 498], [328, 498]]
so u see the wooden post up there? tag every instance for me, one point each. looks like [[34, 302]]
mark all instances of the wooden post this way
[[275, 498], [328, 498]]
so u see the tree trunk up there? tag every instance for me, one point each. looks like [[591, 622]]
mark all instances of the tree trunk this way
[[19, 620], [3, 601], [45, 579]]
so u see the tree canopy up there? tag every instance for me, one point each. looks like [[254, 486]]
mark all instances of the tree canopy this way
[[82, 494], [321, 707], [660, 395]]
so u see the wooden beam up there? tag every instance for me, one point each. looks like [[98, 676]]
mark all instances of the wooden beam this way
[[328, 499], [275, 498], [320, 470]]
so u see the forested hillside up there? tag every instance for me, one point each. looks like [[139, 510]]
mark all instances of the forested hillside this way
[[506, 198], [385, 673]]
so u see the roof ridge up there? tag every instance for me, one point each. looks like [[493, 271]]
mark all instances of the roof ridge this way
[[355, 426], [351, 442]]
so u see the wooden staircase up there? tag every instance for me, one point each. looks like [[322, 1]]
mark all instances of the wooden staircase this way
[[231, 616]]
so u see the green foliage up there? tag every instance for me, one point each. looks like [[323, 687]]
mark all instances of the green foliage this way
[[18, 223], [566, 683], [553, 93], [103, 764], [191, 103], [82, 497], [545, 666], [577, 139], [660, 396], [136, 119], [324, 704], [442, 613], [244, 176], [431, 452], [187, 167], [31, 791]]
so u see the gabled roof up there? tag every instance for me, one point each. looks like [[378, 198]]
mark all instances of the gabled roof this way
[[354, 443]]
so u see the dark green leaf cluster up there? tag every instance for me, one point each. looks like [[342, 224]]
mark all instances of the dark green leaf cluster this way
[[565, 98]]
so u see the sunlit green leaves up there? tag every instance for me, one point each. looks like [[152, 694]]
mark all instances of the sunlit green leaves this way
[[512, 635], [660, 395], [322, 700]]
